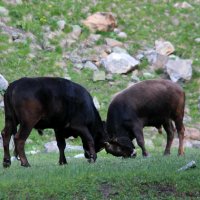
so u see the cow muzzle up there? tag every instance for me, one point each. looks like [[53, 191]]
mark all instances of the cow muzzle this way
[[119, 151]]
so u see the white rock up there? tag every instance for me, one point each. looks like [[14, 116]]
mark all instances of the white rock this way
[[116, 30], [197, 40], [122, 35], [81, 155], [3, 11], [113, 43], [119, 63], [3, 83], [76, 32], [61, 24], [183, 5], [179, 69], [99, 76], [164, 47]]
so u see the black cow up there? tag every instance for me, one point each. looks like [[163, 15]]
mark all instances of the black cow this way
[[55, 103], [149, 103]]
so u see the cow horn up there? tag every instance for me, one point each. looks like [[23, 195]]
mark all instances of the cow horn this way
[[107, 144]]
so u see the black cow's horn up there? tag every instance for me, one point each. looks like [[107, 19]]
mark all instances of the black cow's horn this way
[[107, 144]]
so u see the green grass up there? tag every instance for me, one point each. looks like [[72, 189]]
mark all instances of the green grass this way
[[109, 178]]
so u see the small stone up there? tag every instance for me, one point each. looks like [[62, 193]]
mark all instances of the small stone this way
[[61, 24], [79, 66], [113, 43], [94, 37], [183, 5], [90, 65], [135, 79], [99, 76], [76, 32], [148, 75], [81, 155], [109, 77], [116, 30], [122, 35], [164, 47], [3, 83], [101, 21], [197, 40], [3, 11], [135, 72], [175, 21], [192, 133]]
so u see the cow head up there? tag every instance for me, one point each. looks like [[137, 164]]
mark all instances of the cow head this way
[[121, 146]]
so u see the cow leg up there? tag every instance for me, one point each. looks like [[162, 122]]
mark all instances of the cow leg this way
[[168, 126], [88, 142], [140, 140], [6, 133], [180, 130], [20, 138], [61, 146], [15, 152]]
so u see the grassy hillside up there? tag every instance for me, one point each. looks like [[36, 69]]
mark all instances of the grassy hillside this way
[[143, 21]]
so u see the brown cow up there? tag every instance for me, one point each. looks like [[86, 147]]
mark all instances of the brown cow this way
[[149, 103]]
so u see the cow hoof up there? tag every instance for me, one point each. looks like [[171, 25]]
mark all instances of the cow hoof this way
[[166, 153], [25, 165], [147, 156], [91, 160], [6, 163], [62, 163]]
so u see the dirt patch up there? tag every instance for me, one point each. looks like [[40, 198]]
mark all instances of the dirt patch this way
[[162, 191], [107, 190]]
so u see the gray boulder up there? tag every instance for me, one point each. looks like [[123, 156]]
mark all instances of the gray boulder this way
[[179, 69], [119, 63]]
